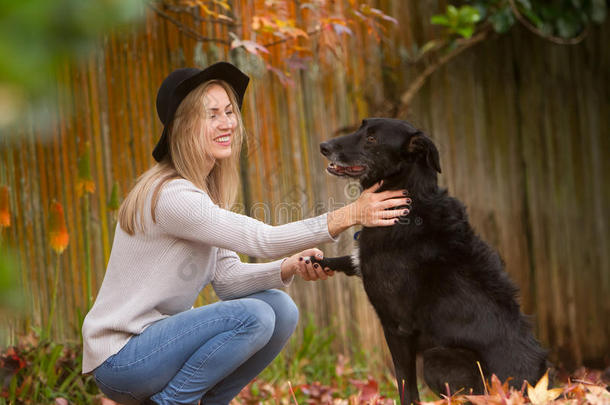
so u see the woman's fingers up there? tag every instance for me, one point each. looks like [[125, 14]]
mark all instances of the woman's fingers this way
[[387, 214], [310, 271], [329, 271], [320, 274], [386, 217], [382, 208], [312, 252], [386, 222], [311, 274], [393, 202], [384, 195]]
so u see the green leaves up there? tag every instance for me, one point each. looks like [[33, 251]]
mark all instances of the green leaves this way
[[461, 21], [558, 20], [37, 36], [502, 20]]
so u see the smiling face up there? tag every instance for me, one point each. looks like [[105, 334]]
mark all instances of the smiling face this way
[[220, 122]]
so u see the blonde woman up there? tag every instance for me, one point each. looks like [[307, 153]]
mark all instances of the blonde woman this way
[[143, 341]]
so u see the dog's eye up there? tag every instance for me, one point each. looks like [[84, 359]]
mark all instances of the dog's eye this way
[[371, 139]]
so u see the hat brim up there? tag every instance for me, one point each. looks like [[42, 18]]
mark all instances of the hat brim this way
[[219, 71]]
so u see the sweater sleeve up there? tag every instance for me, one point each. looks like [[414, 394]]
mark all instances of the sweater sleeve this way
[[187, 212], [233, 278]]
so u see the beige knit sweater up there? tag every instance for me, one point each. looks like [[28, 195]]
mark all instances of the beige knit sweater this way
[[159, 273]]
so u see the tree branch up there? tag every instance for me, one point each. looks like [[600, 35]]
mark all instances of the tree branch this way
[[196, 17], [187, 30], [420, 80], [280, 41]]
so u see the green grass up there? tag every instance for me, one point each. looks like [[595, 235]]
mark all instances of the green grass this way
[[313, 368], [37, 372]]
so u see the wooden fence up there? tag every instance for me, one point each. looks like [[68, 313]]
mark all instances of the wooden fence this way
[[522, 126]]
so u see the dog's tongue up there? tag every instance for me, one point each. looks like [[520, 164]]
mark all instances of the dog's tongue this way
[[355, 168]]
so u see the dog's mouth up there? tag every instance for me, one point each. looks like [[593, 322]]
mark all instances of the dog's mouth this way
[[340, 170]]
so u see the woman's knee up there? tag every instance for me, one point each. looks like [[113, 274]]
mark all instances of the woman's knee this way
[[286, 311], [261, 318]]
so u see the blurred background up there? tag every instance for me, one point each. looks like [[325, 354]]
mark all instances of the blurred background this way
[[515, 93]]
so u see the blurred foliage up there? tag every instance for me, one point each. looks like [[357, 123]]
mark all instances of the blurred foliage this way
[[307, 31], [12, 297], [36, 36], [468, 22], [563, 20], [40, 371], [460, 21]]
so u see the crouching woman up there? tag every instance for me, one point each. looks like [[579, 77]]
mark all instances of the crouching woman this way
[[143, 341]]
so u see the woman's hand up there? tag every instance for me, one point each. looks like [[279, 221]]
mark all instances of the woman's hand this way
[[375, 209], [301, 265], [370, 209]]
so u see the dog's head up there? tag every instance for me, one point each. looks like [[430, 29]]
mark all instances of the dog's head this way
[[380, 148]]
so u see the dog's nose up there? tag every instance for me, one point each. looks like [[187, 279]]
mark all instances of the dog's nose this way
[[325, 148]]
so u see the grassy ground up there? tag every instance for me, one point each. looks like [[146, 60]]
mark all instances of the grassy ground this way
[[306, 372]]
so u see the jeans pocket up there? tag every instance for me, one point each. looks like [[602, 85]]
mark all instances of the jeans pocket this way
[[122, 397]]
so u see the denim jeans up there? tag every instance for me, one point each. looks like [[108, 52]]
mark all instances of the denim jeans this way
[[208, 353]]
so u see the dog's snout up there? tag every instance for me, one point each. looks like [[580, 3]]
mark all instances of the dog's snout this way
[[325, 148]]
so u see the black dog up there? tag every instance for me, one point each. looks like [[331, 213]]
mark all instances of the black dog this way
[[437, 288]]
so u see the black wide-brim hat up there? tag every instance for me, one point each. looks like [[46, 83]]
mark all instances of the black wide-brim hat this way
[[179, 83]]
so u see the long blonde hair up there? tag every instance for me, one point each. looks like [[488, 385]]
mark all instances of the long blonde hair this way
[[188, 158]]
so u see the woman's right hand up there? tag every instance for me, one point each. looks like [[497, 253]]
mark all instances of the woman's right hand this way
[[375, 209]]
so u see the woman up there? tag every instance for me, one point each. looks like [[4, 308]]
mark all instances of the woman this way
[[143, 341]]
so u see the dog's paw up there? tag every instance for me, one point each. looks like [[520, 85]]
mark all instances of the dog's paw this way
[[343, 264]]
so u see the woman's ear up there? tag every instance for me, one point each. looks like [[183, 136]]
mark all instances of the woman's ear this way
[[424, 148]]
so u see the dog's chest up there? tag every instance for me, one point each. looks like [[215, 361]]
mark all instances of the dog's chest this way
[[386, 275]]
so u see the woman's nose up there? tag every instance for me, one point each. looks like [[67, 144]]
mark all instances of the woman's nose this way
[[226, 121]]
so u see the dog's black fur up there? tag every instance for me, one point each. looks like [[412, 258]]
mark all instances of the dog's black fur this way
[[437, 288]]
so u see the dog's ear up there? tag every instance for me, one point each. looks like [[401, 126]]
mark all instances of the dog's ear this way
[[421, 145]]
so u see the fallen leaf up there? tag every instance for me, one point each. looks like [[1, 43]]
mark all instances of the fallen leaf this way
[[597, 395], [540, 394]]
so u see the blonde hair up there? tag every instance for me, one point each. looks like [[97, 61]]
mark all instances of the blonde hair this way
[[188, 158]]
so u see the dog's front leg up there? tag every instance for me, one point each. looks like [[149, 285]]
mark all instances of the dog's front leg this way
[[403, 348], [344, 264]]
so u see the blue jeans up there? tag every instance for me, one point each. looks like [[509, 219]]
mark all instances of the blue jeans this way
[[208, 353]]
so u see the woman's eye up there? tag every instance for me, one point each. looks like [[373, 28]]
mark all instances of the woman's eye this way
[[229, 112]]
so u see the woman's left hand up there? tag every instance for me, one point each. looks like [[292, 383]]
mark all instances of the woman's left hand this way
[[301, 264]]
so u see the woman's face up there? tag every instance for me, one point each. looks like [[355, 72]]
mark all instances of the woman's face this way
[[220, 122]]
